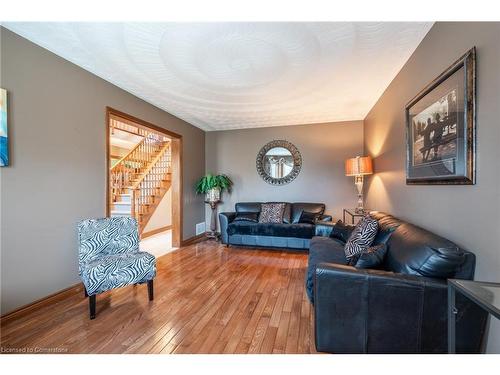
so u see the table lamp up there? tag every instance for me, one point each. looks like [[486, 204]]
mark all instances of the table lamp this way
[[359, 167]]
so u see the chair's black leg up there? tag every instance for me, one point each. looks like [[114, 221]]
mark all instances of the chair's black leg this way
[[150, 290], [92, 306], [85, 291]]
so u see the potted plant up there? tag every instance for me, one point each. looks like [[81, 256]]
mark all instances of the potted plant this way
[[212, 186]]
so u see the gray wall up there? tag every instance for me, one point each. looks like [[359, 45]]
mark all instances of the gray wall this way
[[324, 148], [58, 171], [468, 215], [57, 176]]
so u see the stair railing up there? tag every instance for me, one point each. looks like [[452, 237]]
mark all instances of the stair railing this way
[[124, 172], [123, 126], [149, 185]]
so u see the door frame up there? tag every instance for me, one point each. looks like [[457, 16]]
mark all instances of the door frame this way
[[176, 142]]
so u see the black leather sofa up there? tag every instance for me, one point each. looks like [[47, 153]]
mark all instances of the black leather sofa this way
[[289, 234], [399, 308]]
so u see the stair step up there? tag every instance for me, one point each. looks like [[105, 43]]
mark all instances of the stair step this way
[[124, 198], [120, 214], [125, 212], [121, 204], [138, 168]]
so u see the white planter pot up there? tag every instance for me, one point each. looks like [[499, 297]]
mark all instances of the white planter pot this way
[[213, 195]]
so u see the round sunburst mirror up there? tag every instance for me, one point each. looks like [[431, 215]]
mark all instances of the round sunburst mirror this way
[[278, 162]]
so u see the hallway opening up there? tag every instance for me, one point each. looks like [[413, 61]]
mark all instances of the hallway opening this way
[[144, 179]]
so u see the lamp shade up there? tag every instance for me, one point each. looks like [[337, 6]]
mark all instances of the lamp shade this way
[[360, 165]]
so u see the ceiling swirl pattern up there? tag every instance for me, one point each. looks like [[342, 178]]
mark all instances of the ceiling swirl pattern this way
[[220, 76]]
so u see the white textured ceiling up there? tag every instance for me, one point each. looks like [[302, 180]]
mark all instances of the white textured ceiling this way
[[220, 76]]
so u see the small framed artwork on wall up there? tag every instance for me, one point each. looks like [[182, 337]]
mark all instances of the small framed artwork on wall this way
[[4, 137], [441, 129]]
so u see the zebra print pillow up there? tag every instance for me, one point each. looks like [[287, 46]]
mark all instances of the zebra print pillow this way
[[272, 213], [361, 237]]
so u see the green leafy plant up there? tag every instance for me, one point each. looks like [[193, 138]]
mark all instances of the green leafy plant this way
[[210, 181]]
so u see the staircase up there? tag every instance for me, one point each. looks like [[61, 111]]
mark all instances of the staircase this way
[[140, 179]]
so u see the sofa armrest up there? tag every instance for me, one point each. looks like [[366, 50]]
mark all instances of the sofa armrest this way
[[372, 311], [225, 218], [325, 218], [324, 228], [369, 311]]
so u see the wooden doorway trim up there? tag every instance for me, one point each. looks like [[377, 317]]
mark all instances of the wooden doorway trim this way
[[176, 140]]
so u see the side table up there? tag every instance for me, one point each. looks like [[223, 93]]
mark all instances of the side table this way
[[352, 212], [486, 295]]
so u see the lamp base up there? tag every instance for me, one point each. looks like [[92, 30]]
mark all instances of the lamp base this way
[[358, 180]]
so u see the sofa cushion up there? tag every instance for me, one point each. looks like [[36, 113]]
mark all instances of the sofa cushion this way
[[416, 251], [387, 224], [272, 213], [287, 213], [322, 250], [247, 207], [117, 270], [361, 237], [271, 229], [247, 216], [385, 221], [297, 208], [308, 217], [373, 257], [341, 231], [383, 236]]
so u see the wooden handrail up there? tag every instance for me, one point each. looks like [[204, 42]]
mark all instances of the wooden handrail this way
[[144, 173], [150, 187], [140, 157], [151, 165], [128, 154]]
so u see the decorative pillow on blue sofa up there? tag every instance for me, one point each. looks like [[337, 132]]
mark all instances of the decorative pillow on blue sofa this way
[[272, 213], [383, 235], [361, 237], [341, 231], [308, 217], [247, 216], [373, 257]]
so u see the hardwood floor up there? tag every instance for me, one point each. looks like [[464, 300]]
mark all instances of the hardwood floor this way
[[208, 299]]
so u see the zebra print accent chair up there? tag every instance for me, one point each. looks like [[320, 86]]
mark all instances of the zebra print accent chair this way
[[109, 257]]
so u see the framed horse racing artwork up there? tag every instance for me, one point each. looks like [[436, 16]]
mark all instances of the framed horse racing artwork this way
[[4, 138], [441, 129]]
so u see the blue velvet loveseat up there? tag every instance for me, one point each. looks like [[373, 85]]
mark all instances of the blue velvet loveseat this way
[[290, 233]]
